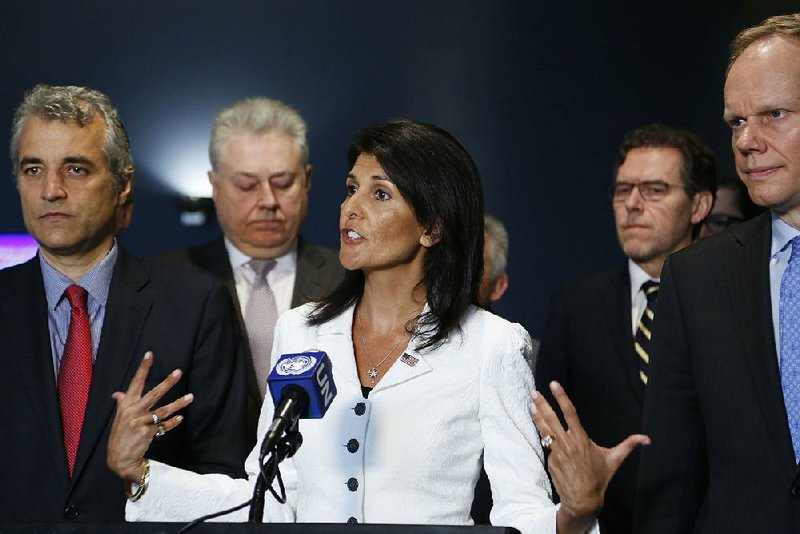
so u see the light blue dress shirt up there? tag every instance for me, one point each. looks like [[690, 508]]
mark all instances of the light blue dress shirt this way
[[96, 282], [780, 252]]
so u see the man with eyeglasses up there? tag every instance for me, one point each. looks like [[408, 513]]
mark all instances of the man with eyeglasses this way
[[596, 339], [731, 206]]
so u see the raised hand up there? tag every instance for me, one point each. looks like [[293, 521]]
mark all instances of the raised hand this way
[[580, 469], [136, 424]]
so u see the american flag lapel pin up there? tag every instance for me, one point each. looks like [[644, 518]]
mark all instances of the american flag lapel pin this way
[[408, 360]]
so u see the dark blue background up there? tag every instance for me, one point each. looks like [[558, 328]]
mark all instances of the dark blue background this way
[[539, 92]]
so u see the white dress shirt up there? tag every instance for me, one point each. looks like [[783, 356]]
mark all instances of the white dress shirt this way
[[638, 277], [280, 278]]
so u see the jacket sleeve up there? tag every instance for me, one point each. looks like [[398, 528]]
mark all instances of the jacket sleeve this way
[[179, 495], [216, 419], [513, 456]]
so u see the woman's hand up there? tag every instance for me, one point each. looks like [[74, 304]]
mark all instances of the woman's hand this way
[[580, 469], [135, 424]]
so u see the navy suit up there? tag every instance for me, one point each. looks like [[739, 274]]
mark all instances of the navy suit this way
[[185, 318], [318, 271], [588, 347], [721, 458]]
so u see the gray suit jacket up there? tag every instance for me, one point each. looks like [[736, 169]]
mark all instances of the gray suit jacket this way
[[588, 347], [318, 272]]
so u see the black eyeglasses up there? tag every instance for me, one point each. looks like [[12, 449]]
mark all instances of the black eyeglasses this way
[[721, 221], [651, 191]]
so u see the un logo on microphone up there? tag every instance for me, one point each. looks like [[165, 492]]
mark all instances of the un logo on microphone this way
[[295, 365]]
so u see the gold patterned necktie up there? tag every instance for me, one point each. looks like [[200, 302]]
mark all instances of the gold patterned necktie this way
[[641, 341]]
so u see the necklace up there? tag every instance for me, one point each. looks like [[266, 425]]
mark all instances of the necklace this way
[[373, 371]]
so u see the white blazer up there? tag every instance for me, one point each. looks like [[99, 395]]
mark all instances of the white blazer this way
[[410, 453]]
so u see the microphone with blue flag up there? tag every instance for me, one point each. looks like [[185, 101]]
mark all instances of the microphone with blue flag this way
[[301, 386], [309, 372]]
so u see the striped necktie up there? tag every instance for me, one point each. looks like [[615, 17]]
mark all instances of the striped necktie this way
[[641, 341], [259, 318], [789, 320]]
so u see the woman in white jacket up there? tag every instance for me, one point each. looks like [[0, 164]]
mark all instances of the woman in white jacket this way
[[429, 386]]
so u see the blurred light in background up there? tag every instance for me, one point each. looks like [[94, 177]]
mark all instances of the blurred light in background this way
[[182, 165], [196, 211], [16, 249]]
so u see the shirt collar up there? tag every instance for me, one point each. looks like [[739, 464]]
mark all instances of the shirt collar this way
[[638, 276], [239, 259], [782, 234], [96, 282]]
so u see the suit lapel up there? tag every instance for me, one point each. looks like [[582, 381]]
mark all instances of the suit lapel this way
[[336, 336], [753, 316], [33, 354], [618, 301], [307, 280], [126, 311], [213, 258], [338, 340], [409, 365]]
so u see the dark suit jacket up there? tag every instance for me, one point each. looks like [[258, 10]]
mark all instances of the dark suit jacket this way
[[721, 458], [588, 347], [185, 318], [318, 271]]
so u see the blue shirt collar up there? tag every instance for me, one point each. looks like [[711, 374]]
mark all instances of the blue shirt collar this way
[[96, 282], [782, 234]]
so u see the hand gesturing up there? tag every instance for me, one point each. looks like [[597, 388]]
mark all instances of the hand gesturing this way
[[135, 424], [580, 469]]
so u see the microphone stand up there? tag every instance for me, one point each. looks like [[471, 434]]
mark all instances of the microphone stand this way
[[285, 447]]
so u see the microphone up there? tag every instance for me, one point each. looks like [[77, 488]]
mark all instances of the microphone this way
[[301, 386]]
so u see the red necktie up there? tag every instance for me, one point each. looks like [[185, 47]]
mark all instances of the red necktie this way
[[75, 374]]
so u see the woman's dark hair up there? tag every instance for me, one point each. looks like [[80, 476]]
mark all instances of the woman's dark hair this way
[[438, 178]]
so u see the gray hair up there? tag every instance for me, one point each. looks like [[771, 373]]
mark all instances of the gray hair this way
[[258, 116], [497, 246], [72, 104]]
